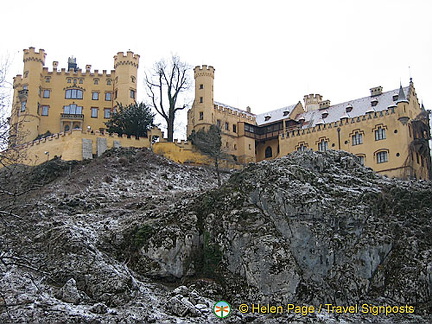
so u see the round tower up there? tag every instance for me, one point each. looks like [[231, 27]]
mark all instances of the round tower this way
[[125, 85], [27, 95], [201, 113]]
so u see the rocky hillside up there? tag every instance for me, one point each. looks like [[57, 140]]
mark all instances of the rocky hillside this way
[[133, 238]]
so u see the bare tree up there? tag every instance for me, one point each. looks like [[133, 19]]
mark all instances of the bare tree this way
[[164, 85]]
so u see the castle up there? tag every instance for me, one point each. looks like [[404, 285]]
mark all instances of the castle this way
[[388, 131], [62, 112]]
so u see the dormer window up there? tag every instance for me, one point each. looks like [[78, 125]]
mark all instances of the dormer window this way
[[267, 117], [395, 97], [324, 114], [348, 108], [286, 112], [374, 102]]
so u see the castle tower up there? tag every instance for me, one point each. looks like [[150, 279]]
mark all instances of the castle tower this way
[[201, 113], [25, 119], [125, 85], [312, 101]]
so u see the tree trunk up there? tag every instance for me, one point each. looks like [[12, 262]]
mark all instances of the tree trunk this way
[[217, 171], [170, 129]]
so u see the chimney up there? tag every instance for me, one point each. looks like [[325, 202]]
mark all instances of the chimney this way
[[376, 91], [324, 104], [72, 64], [248, 109], [88, 68], [55, 65]]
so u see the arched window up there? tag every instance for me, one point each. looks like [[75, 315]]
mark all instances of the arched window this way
[[302, 147], [357, 138], [380, 133], [66, 128], [74, 94], [268, 152], [323, 145]]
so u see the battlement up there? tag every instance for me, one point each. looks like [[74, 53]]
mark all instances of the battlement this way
[[204, 70], [225, 109], [30, 54], [79, 72], [312, 97], [344, 121], [129, 59]]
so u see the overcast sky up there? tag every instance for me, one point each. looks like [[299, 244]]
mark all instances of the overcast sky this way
[[267, 54]]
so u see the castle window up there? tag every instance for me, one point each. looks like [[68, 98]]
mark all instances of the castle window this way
[[132, 93], [268, 152], [133, 79], [23, 105], [66, 128], [218, 123], [234, 128], [323, 145], [107, 113], [201, 86], [380, 134], [109, 81], [74, 94], [94, 112], [302, 147], [201, 99], [357, 138], [46, 93], [201, 115], [47, 79], [44, 110], [107, 96], [361, 159], [95, 81], [81, 81], [382, 157], [227, 126], [235, 147], [72, 109], [95, 95]]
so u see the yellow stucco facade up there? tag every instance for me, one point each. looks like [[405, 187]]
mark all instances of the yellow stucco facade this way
[[388, 131], [51, 101], [62, 112]]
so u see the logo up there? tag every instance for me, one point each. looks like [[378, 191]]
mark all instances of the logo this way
[[222, 309]]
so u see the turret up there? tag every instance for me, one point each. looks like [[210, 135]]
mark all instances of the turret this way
[[26, 96], [402, 106], [312, 101], [201, 113], [126, 70]]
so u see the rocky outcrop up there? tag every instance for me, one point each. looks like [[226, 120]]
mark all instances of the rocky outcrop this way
[[109, 240]]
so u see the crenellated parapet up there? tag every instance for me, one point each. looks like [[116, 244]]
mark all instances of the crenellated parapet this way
[[78, 73], [204, 70], [225, 109], [126, 59], [30, 54], [344, 121]]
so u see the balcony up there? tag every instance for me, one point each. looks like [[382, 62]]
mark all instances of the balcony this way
[[72, 116]]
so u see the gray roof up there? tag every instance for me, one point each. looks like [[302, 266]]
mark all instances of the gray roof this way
[[275, 115], [234, 108], [359, 108]]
